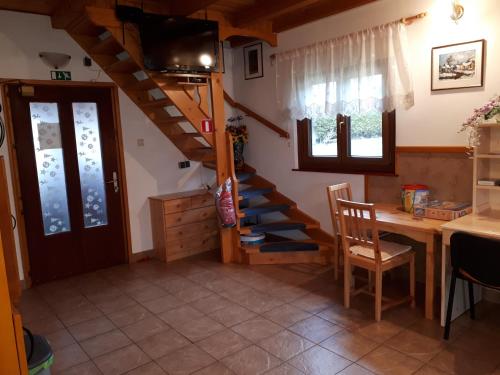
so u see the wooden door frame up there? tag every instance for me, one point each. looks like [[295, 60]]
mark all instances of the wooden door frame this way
[[14, 170]]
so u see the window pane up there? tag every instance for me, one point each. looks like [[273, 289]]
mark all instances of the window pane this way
[[324, 136], [50, 167], [88, 147], [366, 135]]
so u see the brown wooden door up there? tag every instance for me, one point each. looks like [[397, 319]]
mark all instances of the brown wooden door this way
[[65, 141]]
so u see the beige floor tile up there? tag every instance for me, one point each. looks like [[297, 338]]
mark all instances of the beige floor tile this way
[[223, 344], [348, 318], [148, 369], [289, 293], [257, 329], [177, 284], [284, 369], [143, 328], [211, 304], [147, 293], [180, 316], [185, 361], [454, 360], [162, 343], [380, 331], [428, 370], [315, 329], [91, 328], [193, 293], [416, 345], [165, 303], [121, 360], [286, 315], [355, 369], [251, 361], [253, 300], [68, 357], [387, 361], [60, 339], [105, 343], [73, 317], [349, 345], [312, 303], [86, 368], [115, 304], [200, 329], [319, 361], [129, 315], [215, 369], [232, 315], [285, 345], [45, 325]]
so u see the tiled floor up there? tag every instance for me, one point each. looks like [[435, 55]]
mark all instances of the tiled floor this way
[[199, 316]]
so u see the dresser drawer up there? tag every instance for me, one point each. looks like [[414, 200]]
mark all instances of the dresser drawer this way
[[202, 201], [191, 216], [192, 244], [177, 205], [190, 230]]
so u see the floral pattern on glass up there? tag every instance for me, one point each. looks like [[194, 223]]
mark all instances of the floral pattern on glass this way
[[90, 166], [50, 167]]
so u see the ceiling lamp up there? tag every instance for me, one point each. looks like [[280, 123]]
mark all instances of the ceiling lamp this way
[[55, 60]]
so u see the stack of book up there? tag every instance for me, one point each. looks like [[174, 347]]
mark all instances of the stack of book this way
[[443, 210], [489, 181]]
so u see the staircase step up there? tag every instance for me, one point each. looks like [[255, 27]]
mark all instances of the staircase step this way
[[156, 103], [144, 85], [286, 246], [297, 252], [122, 66], [264, 209], [108, 46], [169, 120], [254, 192], [273, 227], [203, 154], [243, 176]]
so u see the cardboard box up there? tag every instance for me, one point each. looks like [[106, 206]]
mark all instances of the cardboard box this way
[[443, 210]]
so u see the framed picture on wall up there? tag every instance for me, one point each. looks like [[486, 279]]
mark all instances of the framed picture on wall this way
[[253, 61], [458, 66]]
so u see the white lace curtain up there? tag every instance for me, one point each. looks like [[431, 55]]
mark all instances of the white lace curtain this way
[[360, 72]]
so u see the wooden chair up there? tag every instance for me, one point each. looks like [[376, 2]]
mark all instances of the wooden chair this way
[[475, 260], [363, 248], [334, 192]]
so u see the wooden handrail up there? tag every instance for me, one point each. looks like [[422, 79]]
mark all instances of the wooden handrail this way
[[249, 112]]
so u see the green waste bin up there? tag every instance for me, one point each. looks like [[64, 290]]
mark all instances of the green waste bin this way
[[38, 353]]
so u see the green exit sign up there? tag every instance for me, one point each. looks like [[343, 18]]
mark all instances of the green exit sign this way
[[60, 75]]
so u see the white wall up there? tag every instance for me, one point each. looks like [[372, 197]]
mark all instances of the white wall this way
[[150, 170], [434, 120]]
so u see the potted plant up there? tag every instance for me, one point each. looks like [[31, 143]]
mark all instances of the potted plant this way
[[239, 134], [487, 114]]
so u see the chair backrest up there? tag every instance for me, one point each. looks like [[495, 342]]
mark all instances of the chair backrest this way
[[334, 192], [358, 226], [477, 258]]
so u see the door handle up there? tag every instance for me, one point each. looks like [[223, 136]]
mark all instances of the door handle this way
[[114, 181]]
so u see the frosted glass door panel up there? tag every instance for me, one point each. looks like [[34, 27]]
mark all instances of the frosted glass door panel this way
[[88, 148], [50, 167]]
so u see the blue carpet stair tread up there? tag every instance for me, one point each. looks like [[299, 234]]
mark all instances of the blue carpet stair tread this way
[[264, 209], [254, 192], [288, 246], [277, 226], [243, 176]]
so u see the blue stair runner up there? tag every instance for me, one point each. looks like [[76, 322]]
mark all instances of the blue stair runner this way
[[264, 209], [254, 192], [288, 246], [243, 176], [277, 226]]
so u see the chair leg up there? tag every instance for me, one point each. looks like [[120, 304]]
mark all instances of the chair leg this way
[[450, 306], [471, 301], [412, 279], [370, 281], [336, 252], [378, 294], [347, 284]]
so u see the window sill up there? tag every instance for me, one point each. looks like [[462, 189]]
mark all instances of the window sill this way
[[340, 171]]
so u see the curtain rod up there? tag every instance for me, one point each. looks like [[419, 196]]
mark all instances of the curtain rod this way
[[404, 20]]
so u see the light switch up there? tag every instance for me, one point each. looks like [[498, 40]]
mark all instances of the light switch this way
[[140, 142]]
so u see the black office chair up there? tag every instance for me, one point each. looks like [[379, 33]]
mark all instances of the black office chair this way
[[476, 260]]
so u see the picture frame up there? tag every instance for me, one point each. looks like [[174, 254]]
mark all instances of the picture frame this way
[[458, 66], [253, 61]]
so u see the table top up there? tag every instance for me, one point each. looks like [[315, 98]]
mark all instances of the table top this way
[[486, 225], [392, 214]]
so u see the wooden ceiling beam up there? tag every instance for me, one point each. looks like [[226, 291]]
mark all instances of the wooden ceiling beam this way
[[187, 7], [321, 9], [268, 10]]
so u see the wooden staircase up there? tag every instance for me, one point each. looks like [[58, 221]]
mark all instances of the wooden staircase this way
[[174, 109]]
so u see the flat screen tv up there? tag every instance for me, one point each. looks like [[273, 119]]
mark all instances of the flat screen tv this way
[[179, 44]]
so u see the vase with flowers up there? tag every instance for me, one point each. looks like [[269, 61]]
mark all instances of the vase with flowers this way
[[489, 113], [239, 134]]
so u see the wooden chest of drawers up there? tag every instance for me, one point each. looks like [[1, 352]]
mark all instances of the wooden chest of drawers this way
[[183, 224]]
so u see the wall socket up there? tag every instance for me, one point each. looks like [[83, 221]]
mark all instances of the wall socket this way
[[140, 142], [184, 164]]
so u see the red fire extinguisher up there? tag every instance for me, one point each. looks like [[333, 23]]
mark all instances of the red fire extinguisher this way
[[207, 125]]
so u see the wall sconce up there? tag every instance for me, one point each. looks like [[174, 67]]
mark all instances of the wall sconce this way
[[55, 60], [457, 10]]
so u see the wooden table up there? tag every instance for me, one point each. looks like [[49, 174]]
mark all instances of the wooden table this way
[[483, 225], [391, 218]]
